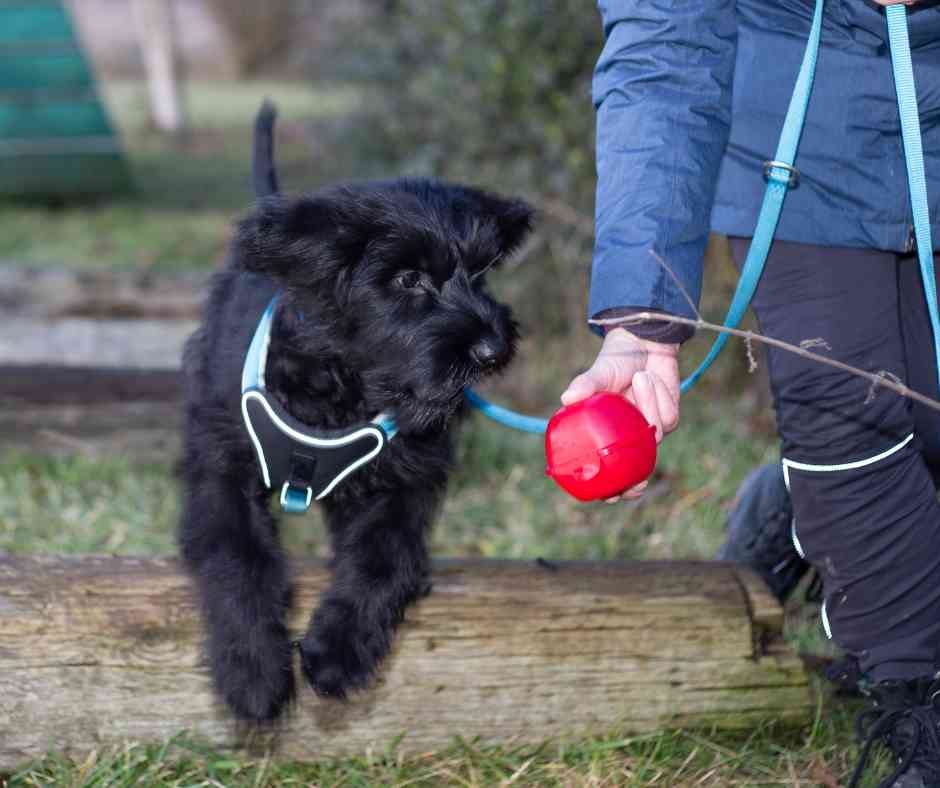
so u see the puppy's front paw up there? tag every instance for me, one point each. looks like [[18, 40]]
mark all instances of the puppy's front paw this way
[[256, 683], [341, 652]]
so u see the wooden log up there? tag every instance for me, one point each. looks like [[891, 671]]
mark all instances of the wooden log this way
[[32, 385], [139, 431], [100, 650], [140, 344], [135, 413], [58, 293]]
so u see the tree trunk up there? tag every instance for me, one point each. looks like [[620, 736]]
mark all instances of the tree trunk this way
[[100, 650], [157, 35]]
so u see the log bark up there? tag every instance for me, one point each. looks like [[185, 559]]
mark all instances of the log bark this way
[[101, 650]]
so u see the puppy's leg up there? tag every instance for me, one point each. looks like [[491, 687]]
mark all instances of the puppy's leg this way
[[229, 542], [381, 566]]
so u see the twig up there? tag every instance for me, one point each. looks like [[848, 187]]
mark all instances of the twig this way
[[875, 378]]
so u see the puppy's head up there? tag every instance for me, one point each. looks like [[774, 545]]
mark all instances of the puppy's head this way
[[394, 273]]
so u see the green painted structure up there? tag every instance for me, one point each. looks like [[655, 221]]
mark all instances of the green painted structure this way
[[55, 136]]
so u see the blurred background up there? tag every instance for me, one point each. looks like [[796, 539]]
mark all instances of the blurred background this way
[[125, 132]]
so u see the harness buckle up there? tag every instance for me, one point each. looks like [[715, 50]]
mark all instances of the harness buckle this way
[[294, 499], [793, 174]]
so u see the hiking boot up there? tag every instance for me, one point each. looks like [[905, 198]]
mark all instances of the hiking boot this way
[[760, 531], [905, 718]]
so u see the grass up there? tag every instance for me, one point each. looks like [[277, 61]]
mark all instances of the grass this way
[[678, 759], [500, 504]]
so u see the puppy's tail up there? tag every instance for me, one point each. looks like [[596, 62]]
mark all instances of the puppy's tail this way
[[263, 172]]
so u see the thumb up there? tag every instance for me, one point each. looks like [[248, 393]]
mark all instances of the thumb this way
[[580, 388]]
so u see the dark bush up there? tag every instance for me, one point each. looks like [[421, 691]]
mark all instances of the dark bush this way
[[494, 90]]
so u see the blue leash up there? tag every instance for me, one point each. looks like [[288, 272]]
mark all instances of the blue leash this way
[[504, 416], [914, 155], [781, 176]]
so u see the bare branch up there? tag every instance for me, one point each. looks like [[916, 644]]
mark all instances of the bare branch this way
[[877, 379]]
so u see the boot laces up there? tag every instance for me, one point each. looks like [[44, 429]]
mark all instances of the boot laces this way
[[911, 733]]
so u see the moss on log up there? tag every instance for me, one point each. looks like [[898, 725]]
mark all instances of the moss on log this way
[[99, 650]]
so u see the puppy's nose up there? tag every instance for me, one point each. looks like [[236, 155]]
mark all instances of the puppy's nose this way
[[487, 353]]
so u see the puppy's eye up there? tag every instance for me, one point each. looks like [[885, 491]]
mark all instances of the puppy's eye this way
[[413, 280]]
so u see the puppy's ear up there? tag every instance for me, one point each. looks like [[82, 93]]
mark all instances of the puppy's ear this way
[[515, 219], [512, 217], [298, 240]]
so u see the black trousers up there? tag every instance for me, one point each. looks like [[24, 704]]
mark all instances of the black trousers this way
[[861, 462]]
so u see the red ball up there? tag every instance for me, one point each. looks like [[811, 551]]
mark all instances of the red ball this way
[[599, 447]]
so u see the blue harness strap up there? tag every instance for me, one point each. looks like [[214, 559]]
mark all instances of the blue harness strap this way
[[304, 463]]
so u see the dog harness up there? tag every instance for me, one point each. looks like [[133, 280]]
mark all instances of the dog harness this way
[[305, 464]]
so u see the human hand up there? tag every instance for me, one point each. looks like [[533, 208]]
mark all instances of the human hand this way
[[646, 373]]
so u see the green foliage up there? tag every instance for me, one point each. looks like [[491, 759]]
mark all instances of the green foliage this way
[[491, 91]]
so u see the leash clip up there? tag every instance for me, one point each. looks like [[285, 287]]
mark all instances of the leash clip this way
[[793, 174]]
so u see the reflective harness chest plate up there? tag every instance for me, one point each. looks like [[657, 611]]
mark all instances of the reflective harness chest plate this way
[[304, 464]]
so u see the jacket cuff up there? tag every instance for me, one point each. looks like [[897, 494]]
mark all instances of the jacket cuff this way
[[652, 330]]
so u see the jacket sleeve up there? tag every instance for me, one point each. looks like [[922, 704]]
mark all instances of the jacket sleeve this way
[[662, 91]]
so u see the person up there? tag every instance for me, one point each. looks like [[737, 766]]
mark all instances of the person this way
[[690, 99]]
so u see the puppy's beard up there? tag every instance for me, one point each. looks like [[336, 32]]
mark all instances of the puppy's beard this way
[[425, 409]]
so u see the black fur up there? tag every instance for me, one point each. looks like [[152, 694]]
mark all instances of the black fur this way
[[383, 308]]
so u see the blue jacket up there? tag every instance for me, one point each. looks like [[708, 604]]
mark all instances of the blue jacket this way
[[690, 98]]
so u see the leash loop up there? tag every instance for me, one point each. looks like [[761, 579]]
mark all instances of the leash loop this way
[[792, 179]]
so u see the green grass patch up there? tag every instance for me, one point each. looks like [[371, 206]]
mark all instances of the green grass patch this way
[[85, 505], [765, 756]]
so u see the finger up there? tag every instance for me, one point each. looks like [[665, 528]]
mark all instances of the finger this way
[[668, 406], [645, 395], [580, 388], [635, 492], [629, 396]]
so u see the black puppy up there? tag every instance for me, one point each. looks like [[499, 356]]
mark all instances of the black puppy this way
[[381, 308]]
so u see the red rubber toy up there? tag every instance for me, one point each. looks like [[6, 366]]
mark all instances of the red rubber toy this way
[[599, 447]]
